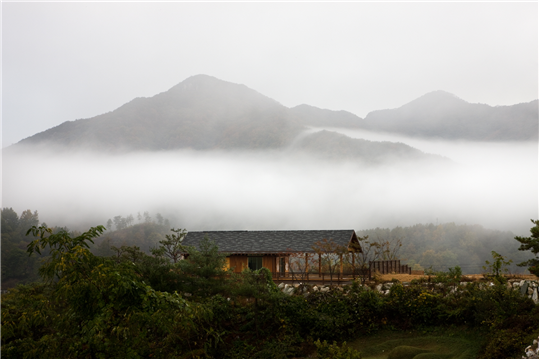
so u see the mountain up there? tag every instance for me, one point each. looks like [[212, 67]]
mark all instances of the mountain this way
[[443, 115], [205, 113], [201, 112], [314, 116], [334, 146]]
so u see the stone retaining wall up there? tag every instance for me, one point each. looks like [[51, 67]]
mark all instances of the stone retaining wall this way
[[526, 287]]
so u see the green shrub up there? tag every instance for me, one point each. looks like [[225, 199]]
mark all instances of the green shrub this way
[[411, 305], [334, 351], [504, 344]]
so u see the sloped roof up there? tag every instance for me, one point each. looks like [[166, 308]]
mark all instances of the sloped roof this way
[[246, 242]]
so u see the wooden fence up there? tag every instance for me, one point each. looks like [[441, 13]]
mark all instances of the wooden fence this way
[[389, 267]]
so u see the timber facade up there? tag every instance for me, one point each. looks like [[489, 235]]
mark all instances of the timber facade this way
[[273, 249]]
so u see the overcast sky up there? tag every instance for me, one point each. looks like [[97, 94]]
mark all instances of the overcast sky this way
[[66, 61]]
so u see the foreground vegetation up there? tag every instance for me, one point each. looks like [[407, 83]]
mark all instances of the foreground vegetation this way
[[135, 305]]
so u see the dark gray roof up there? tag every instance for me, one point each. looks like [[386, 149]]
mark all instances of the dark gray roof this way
[[269, 241]]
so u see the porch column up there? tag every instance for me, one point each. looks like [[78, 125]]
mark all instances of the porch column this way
[[353, 265], [307, 265]]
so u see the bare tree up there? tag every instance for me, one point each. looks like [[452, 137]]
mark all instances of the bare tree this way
[[299, 264], [390, 248], [368, 251], [330, 254]]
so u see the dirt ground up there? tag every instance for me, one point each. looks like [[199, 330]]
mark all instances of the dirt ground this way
[[469, 277]]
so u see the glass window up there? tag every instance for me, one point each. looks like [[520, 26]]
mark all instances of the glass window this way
[[255, 263]]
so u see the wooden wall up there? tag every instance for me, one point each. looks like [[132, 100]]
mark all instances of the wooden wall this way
[[270, 263], [238, 263]]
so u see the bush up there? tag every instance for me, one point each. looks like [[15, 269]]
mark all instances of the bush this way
[[334, 351], [411, 305]]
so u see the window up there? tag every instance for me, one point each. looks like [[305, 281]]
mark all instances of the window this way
[[255, 263]]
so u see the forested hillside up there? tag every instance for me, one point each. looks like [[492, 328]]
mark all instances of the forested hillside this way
[[338, 147], [424, 246], [448, 245], [17, 266]]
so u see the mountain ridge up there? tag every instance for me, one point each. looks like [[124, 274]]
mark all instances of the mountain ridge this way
[[205, 113], [441, 114]]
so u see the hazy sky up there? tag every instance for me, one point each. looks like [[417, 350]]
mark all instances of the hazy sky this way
[[66, 61]]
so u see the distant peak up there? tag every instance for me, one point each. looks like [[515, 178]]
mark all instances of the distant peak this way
[[440, 94], [202, 81], [202, 77], [436, 98]]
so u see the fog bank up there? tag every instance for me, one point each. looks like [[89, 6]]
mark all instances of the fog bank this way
[[495, 185]]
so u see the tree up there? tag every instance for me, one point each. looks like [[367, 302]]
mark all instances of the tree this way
[[109, 224], [365, 253], [158, 272], [147, 217], [28, 219], [497, 267], [96, 307], [10, 221], [257, 285], [300, 264], [330, 254], [389, 248], [531, 243], [172, 246], [159, 219], [203, 269], [129, 220], [120, 223], [17, 267]]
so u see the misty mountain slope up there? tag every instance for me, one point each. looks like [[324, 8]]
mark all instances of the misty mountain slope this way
[[335, 146], [314, 116], [201, 112], [205, 113], [441, 114]]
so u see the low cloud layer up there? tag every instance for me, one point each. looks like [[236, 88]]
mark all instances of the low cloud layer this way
[[495, 185]]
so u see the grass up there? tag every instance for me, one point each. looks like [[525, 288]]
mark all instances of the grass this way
[[440, 343]]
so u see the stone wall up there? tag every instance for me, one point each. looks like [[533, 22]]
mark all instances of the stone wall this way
[[526, 287]]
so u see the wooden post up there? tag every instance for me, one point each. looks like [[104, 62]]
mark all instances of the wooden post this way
[[287, 265], [307, 265], [341, 273], [353, 266], [319, 264]]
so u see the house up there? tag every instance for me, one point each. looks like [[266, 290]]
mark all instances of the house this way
[[271, 249]]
